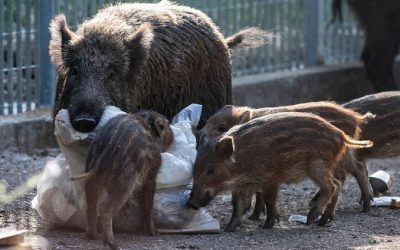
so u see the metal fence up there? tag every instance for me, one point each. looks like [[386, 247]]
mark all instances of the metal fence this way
[[306, 39]]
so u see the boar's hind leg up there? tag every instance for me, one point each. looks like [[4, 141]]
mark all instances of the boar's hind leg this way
[[270, 195], [92, 192], [149, 189], [359, 171], [323, 177], [116, 198], [258, 207], [239, 204]]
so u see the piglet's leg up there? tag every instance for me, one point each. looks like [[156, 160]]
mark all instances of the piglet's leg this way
[[360, 172], [239, 204], [149, 189], [329, 213], [323, 177], [116, 198], [258, 207], [270, 195], [92, 192]]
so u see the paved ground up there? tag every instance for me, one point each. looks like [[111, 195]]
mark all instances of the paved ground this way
[[351, 230]]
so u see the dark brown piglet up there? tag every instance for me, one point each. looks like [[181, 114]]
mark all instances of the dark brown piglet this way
[[124, 156], [384, 129], [266, 152], [347, 120]]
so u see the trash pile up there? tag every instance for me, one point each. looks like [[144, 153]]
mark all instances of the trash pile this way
[[61, 202], [381, 184]]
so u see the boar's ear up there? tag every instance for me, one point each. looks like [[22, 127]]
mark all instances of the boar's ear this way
[[60, 38], [245, 116], [139, 45], [225, 147]]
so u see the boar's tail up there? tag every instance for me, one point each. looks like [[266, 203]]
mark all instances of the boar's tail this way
[[358, 144], [80, 177], [250, 37]]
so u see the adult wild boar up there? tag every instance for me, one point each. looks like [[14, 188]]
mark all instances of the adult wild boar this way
[[160, 57], [381, 23]]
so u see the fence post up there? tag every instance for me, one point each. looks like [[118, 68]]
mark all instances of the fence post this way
[[311, 38], [46, 69]]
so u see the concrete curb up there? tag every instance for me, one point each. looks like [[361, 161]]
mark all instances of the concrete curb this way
[[340, 83], [27, 132]]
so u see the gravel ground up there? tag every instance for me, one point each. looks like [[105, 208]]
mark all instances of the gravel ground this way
[[350, 230]]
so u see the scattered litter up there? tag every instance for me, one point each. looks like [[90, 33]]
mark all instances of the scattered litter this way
[[298, 218], [384, 201], [380, 182]]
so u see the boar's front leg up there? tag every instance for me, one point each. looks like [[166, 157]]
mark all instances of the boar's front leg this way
[[239, 204], [270, 195]]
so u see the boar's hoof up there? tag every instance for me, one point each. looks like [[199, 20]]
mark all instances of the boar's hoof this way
[[192, 205], [84, 124], [232, 226], [111, 244], [254, 216], [269, 224], [151, 230], [366, 208], [230, 229], [92, 236], [257, 213], [323, 220], [312, 215]]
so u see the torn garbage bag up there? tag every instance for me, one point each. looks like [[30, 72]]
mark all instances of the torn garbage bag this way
[[63, 203]]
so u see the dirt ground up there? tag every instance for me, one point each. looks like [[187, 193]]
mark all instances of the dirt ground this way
[[350, 230]]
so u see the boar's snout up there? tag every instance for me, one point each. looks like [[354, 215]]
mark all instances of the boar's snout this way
[[198, 198], [193, 205], [84, 123], [85, 113]]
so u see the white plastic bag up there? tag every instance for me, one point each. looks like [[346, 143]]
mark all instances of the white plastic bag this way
[[63, 203]]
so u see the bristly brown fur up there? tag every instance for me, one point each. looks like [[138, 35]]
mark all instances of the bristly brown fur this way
[[345, 119], [124, 157], [268, 151], [177, 57], [384, 129]]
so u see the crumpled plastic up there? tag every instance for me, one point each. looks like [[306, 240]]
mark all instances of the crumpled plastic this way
[[61, 202]]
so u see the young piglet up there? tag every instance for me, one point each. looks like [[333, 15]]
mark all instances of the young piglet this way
[[124, 156], [384, 129], [347, 120], [266, 152]]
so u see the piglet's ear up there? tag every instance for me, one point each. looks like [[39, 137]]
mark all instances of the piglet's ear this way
[[139, 45], [225, 147], [245, 116], [159, 124], [60, 37]]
